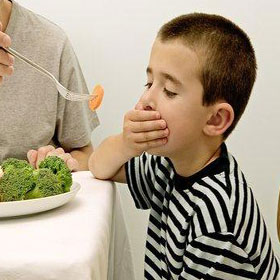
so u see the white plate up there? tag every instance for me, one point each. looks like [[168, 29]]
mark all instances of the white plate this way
[[31, 206]]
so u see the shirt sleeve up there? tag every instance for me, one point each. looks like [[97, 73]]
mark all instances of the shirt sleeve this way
[[140, 175], [216, 256], [75, 121]]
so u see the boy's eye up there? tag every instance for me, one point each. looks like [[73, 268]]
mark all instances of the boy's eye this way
[[148, 85], [169, 93]]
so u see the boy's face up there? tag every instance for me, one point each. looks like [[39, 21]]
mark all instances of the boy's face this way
[[175, 91]]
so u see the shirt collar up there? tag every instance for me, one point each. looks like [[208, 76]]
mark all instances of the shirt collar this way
[[217, 166]]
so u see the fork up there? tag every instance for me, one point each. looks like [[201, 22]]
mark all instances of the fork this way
[[67, 94]]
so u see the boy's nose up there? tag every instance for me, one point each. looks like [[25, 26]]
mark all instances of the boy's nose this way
[[143, 106], [148, 108], [147, 102]]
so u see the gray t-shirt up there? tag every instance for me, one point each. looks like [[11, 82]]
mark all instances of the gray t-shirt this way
[[33, 114]]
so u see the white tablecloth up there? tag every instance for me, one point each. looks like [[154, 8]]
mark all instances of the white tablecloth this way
[[84, 239]]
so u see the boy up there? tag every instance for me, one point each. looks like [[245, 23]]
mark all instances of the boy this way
[[204, 221]]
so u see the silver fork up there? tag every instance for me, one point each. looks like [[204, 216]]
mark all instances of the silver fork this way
[[67, 94]]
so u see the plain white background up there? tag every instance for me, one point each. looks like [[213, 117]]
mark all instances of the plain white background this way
[[112, 40]]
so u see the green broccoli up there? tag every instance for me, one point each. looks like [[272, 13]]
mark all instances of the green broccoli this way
[[20, 181], [15, 183], [60, 169], [45, 183], [15, 163]]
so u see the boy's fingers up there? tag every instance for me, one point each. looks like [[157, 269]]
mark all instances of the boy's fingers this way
[[151, 144], [150, 135], [141, 115], [147, 126]]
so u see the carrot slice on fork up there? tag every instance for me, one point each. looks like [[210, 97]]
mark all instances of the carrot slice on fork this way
[[96, 97]]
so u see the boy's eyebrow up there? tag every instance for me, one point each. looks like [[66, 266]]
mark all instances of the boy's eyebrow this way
[[166, 76]]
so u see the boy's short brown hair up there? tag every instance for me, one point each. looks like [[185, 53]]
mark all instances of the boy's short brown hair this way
[[226, 54]]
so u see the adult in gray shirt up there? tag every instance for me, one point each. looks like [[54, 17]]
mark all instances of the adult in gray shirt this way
[[35, 120]]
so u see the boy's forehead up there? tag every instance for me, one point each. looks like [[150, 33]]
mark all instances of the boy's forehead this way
[[175, 46], [173, 56]]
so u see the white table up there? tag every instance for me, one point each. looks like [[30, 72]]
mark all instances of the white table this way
[[84, 239]]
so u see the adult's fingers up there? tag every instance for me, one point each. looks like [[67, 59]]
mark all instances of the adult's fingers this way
[[72, 163], [35, 157], [5, 40], [32, 157], [55, 152], [42, 153], [6, 62], [67, 158], [6, 70], [6, 58]]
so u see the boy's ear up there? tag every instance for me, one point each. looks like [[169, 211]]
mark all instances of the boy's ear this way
[[220, 119]]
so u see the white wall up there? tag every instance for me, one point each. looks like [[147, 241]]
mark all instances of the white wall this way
[[112, 40]]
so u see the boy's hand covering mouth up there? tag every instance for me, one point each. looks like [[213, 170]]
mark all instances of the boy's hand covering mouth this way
[[143, 130]]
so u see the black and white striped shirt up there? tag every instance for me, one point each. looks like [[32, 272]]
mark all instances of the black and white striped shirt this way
[[206, 226]]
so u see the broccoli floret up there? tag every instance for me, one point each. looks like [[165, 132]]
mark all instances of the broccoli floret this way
[[15, 183], [15, 163], [54, 163], [45, 183], [60, 169], [64, 176]]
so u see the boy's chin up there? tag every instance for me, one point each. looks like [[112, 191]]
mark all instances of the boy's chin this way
[[158, 151]]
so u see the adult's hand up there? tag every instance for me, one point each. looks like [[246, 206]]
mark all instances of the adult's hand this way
[[6, 60], [36, 156]]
